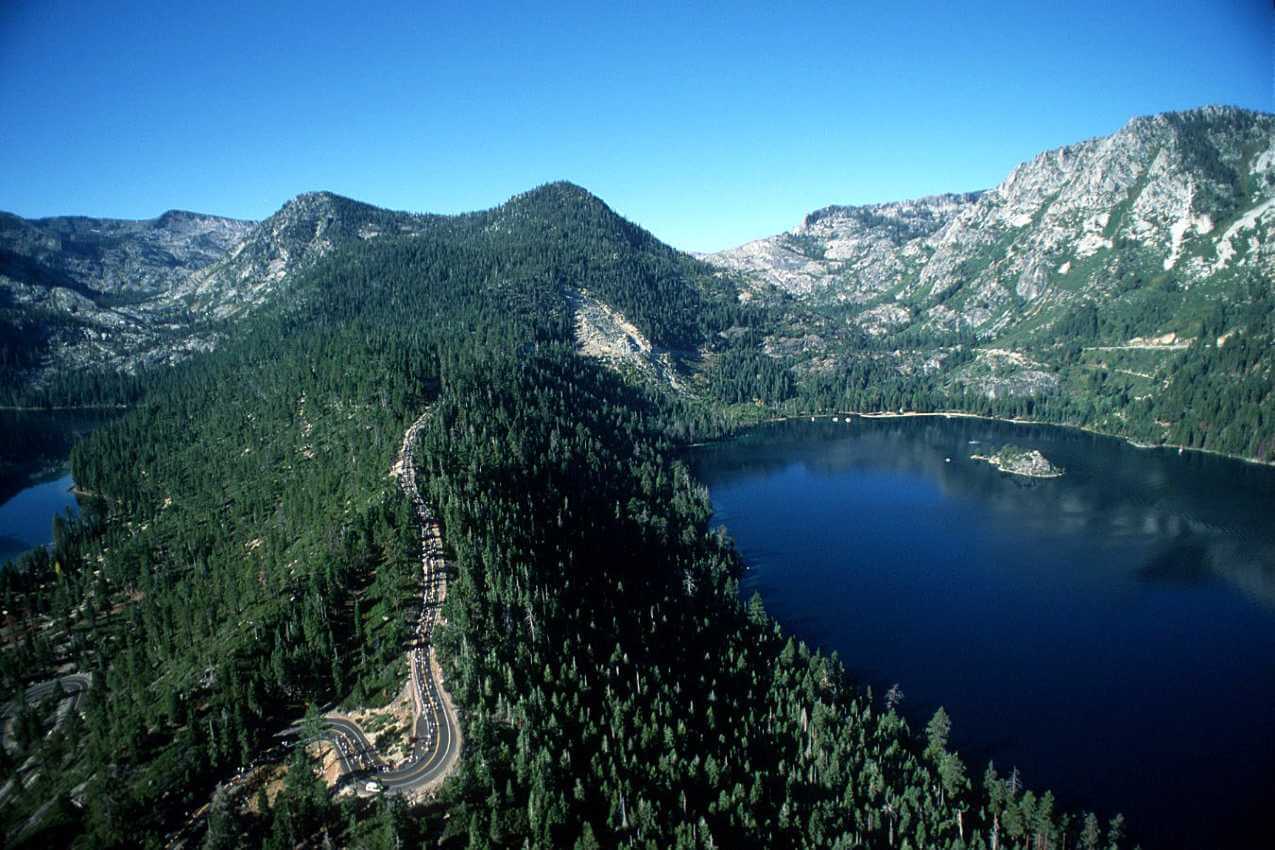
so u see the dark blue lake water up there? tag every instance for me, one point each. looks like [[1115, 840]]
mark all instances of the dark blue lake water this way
[[35, 485], [26, 519], [1111, 632]]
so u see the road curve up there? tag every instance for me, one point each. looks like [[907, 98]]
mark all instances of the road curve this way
[[434, 726], [71, 688]]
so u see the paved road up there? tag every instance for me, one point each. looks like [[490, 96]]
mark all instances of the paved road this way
[[70, 688], [73, 687], [434, 725], [437, 734]]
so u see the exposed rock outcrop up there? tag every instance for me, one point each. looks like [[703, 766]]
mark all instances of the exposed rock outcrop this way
[[1028, 463], [1183, 198]]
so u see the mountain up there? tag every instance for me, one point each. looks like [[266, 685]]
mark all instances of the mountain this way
[[1180, 200], [1121, 284], [78, 292], [857, 251], [114, 257], [1107, 278], [305, 229], [84, 293], [246, 559]]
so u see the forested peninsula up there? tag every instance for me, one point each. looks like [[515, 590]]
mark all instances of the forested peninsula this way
[[246, 559]]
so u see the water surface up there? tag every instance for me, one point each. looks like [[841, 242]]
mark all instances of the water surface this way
[[35, 483], [1111, 632], [26, 519]]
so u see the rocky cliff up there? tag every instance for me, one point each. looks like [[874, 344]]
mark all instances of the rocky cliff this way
[[1126, 283], [1174, 202], [85, 293]]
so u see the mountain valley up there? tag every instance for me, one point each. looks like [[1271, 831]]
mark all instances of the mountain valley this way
[[535, 371], [1082, 290]]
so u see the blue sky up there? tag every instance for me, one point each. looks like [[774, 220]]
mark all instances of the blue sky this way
[[709, 124]]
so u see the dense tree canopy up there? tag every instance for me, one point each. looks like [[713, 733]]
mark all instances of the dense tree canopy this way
[[245, 556]]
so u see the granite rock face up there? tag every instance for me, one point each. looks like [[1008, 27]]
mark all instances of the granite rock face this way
[[114, 257], [84, 293], [848, 254], [1144, 232], [88, 292], [1182, 198]]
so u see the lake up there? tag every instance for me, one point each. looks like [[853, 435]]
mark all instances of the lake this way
[[1111, 632], [26, 519], [35, 484]]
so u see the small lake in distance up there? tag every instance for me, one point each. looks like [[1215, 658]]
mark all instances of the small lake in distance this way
[[26, 519], [35, 483], [1111, 633]]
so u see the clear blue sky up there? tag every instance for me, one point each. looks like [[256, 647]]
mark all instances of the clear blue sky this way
[[709, 124]]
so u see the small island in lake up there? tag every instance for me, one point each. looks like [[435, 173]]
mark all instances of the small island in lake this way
[[1020, 461]]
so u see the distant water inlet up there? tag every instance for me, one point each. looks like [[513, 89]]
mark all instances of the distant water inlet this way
[[1110, 632], [26, 519], [35, 485]]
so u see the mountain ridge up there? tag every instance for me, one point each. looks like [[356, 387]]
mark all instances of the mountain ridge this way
[[1085, 281], [1107, 276], [1083, 177]]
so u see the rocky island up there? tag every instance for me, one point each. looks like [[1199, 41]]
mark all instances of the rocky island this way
[[1020, 461]]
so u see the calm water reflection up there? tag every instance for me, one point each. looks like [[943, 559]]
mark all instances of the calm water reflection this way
[[1111, 632], [35, 485], [26, 519]]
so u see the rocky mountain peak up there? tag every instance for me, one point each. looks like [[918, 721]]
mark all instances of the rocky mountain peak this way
[[173, 219], [1178, 199], [866, 249], [302, 231]]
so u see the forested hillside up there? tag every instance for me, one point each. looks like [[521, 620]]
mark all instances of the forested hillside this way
[[1120, 284], [245, 556], [1101, 284]]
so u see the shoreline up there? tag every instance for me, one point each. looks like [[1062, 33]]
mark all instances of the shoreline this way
[[956, 414], [34, 477], [998, 464]]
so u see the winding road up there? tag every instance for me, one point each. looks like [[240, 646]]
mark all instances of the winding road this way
[[70, 689], [436, 733]]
